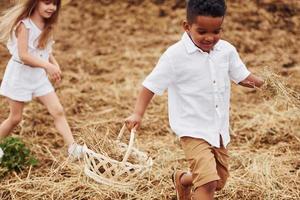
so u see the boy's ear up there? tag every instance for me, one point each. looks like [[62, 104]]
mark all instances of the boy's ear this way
[[186, 26]]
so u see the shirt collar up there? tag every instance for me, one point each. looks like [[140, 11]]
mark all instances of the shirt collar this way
[[191, 47]]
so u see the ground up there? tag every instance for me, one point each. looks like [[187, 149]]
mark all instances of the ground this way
[[105, 50]]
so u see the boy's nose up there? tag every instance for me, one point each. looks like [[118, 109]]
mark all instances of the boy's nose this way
[[209, 39]]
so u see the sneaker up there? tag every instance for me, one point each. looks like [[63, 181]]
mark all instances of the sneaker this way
[[1, 154], [182, 192], [76, 150]]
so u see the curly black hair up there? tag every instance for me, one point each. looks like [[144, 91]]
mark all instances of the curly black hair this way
[[213, 8]]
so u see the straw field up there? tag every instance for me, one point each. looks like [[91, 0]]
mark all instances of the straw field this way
[[105, 51]]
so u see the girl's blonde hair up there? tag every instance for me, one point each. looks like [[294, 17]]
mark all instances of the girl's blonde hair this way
[[11, 18]]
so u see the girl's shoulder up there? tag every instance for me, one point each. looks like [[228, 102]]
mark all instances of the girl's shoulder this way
[[26, 22], [30, 26]]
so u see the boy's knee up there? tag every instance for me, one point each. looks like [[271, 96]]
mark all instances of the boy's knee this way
[[221, 184], [210, 187], [205, 191], [15, 119]]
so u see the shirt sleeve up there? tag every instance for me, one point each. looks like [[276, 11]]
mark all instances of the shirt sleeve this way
[[161, 76], [237, 69]]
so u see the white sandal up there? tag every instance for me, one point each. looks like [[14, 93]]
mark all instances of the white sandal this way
[[75, 150]]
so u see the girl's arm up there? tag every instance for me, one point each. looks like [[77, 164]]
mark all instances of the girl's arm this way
[[53, 60], [27, 59], [252, 81], [144, 98]]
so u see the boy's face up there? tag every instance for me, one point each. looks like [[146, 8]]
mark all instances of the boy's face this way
[[205, 31]]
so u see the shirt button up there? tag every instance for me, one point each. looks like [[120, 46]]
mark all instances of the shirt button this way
[[217, 106], [214, 82]]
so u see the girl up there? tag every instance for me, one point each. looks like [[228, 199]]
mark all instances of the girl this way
[[28, 27]]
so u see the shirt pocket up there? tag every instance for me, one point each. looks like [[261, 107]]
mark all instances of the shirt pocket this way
[[223, 76]]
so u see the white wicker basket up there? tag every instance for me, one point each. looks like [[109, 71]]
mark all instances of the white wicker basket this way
[[123, 174]]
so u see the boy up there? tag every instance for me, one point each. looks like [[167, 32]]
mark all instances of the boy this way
[[197, 72]]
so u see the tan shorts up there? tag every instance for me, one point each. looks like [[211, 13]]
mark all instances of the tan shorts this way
[[207, 163]]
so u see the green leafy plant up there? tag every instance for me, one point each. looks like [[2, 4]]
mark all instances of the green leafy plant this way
[[16, 155]]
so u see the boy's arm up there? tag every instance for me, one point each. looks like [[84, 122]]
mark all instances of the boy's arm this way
[[144, 98], [239, 73], [252, 81], [155, 83]]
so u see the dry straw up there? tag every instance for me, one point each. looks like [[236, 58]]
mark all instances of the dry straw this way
[[275, 87], [102, 72], [276, 112]]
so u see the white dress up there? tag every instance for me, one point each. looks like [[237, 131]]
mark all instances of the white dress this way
[[22, 82]]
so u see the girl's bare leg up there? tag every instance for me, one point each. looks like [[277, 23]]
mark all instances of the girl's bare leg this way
[[55, 108], [14, 118]]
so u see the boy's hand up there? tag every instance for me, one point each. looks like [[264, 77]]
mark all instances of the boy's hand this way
[[133, 121], [54, 72], [252, 81]]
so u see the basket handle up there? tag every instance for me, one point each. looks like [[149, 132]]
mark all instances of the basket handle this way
[[131, 141]]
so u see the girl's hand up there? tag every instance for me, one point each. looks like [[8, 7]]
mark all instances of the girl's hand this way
[[133, 121], [54, 72], [57, 65]]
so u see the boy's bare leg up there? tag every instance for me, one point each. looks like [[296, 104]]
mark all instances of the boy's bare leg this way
[[183, 184], [186, 179], [14, 118], [205, 192], [55, 108]]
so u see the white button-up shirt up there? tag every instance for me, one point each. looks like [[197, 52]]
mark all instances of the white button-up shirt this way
[[198, 86]]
